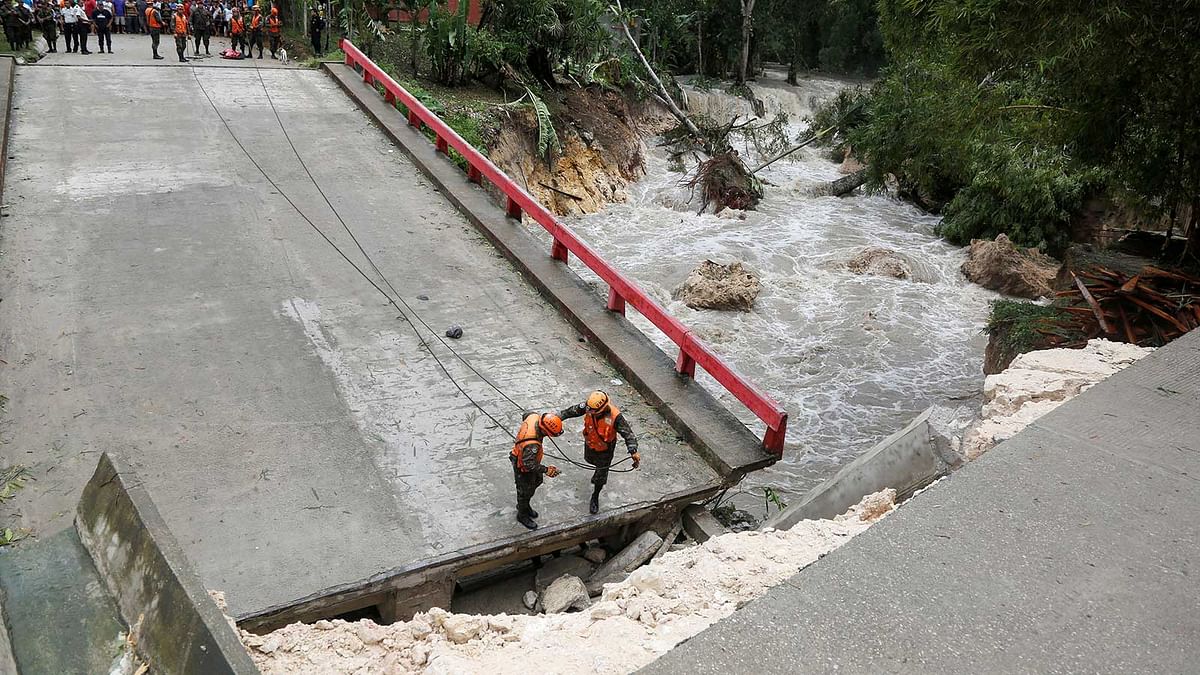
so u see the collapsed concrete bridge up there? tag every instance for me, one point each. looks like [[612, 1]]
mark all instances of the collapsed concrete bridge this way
[[178, 294]]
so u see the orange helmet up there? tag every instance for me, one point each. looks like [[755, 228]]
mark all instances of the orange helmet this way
[[551, 424], [597, 400]]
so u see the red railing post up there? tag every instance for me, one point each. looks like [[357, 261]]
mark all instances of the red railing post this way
[[685, 365], [415, 120], [558, 251], [441, 146], [615, 302], [773, 439], [389, 96], [473, 174], [512, 209]]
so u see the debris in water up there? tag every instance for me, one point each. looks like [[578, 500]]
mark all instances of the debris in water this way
[[454, 332]]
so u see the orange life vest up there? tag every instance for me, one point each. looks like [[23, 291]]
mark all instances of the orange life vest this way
[[152, 18], [256, 22], [180, 24], [274, 25], [236, 26], [529, 433], [601, 434]]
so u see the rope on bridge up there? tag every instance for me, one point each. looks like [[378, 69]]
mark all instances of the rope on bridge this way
[[406, 312]]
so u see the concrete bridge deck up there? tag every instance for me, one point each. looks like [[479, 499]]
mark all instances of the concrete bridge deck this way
[[162, 302]]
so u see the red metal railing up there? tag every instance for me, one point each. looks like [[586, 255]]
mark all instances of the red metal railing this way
[[622, 290]]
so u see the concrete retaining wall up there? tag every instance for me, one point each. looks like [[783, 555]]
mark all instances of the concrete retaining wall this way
[[907, 461], [179, 628]]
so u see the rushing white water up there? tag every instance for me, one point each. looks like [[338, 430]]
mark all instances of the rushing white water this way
[[852, 358]]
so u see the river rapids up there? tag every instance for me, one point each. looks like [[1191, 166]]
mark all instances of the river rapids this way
[[852, 358]]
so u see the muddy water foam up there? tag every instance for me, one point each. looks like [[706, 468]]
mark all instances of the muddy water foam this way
[[852, 358]]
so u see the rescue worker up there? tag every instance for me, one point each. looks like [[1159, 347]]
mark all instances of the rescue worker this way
[[602, 421], [154, 24], [237, 32], [180, 22], [274, 30], [527, 464], [200, 20], [256, 32]]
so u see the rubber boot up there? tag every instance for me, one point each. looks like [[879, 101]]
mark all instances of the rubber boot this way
[[527, 521], [594, 505], [532, 513]]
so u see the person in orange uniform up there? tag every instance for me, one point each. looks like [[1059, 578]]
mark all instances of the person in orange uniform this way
[[154, 24], [602, 422], [274, 30], [237, 31], [180, 21], [255, 31], [527, 464]]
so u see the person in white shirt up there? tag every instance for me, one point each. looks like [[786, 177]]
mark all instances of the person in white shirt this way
[[76, 27]]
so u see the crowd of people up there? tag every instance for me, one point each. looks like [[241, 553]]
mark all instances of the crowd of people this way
[[245, 23]]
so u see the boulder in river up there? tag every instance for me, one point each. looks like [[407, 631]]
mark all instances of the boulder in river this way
[[722, 287], [1002, 266], [880, 262]]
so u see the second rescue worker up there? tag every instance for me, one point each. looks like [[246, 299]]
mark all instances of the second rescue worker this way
[[527, 464], [602, 421], [181, 34]]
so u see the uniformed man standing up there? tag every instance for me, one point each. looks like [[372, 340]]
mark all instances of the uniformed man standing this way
[[527, 464], [180, 22], [154, 24], [602, 422], [200, 20]]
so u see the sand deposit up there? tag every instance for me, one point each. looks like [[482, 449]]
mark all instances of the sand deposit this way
[[632, 623], [1038, 382]]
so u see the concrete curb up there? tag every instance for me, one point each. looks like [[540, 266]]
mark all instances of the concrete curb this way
[[907, 461], [8, 72], [179, 628], [719, 436]]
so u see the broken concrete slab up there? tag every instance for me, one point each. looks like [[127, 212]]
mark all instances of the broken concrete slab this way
[[556, 567], [700, 524], [906, 461], [642, 548], [176, 624], [566, 593]]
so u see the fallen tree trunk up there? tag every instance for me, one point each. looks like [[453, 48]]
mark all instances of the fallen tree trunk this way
[[663, 96], [842, 186]]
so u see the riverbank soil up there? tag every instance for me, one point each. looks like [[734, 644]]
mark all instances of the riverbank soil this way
[[601, 132]]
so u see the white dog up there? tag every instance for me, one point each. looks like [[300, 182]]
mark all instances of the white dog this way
[[283, 57]]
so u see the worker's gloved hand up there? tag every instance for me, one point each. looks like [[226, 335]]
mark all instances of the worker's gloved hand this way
[[637, 459], [551, 471]]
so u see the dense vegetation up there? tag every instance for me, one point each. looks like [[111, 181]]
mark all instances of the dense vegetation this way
[[1003, 115]]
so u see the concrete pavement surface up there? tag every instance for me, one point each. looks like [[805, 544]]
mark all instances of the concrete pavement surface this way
[[161, 301], [1070, 548]]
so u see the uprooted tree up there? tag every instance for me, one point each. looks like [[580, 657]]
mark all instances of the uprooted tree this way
[[722, 178]]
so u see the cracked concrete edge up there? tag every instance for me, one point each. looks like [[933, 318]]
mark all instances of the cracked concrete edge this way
[[721, 439], [178, 627], [8, 71]]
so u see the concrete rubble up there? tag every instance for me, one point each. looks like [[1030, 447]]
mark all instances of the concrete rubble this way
[[633, 622], [564, 594], [1038, 382]]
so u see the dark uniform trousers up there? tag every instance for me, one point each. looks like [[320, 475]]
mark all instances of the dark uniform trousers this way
[[527, 483]]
